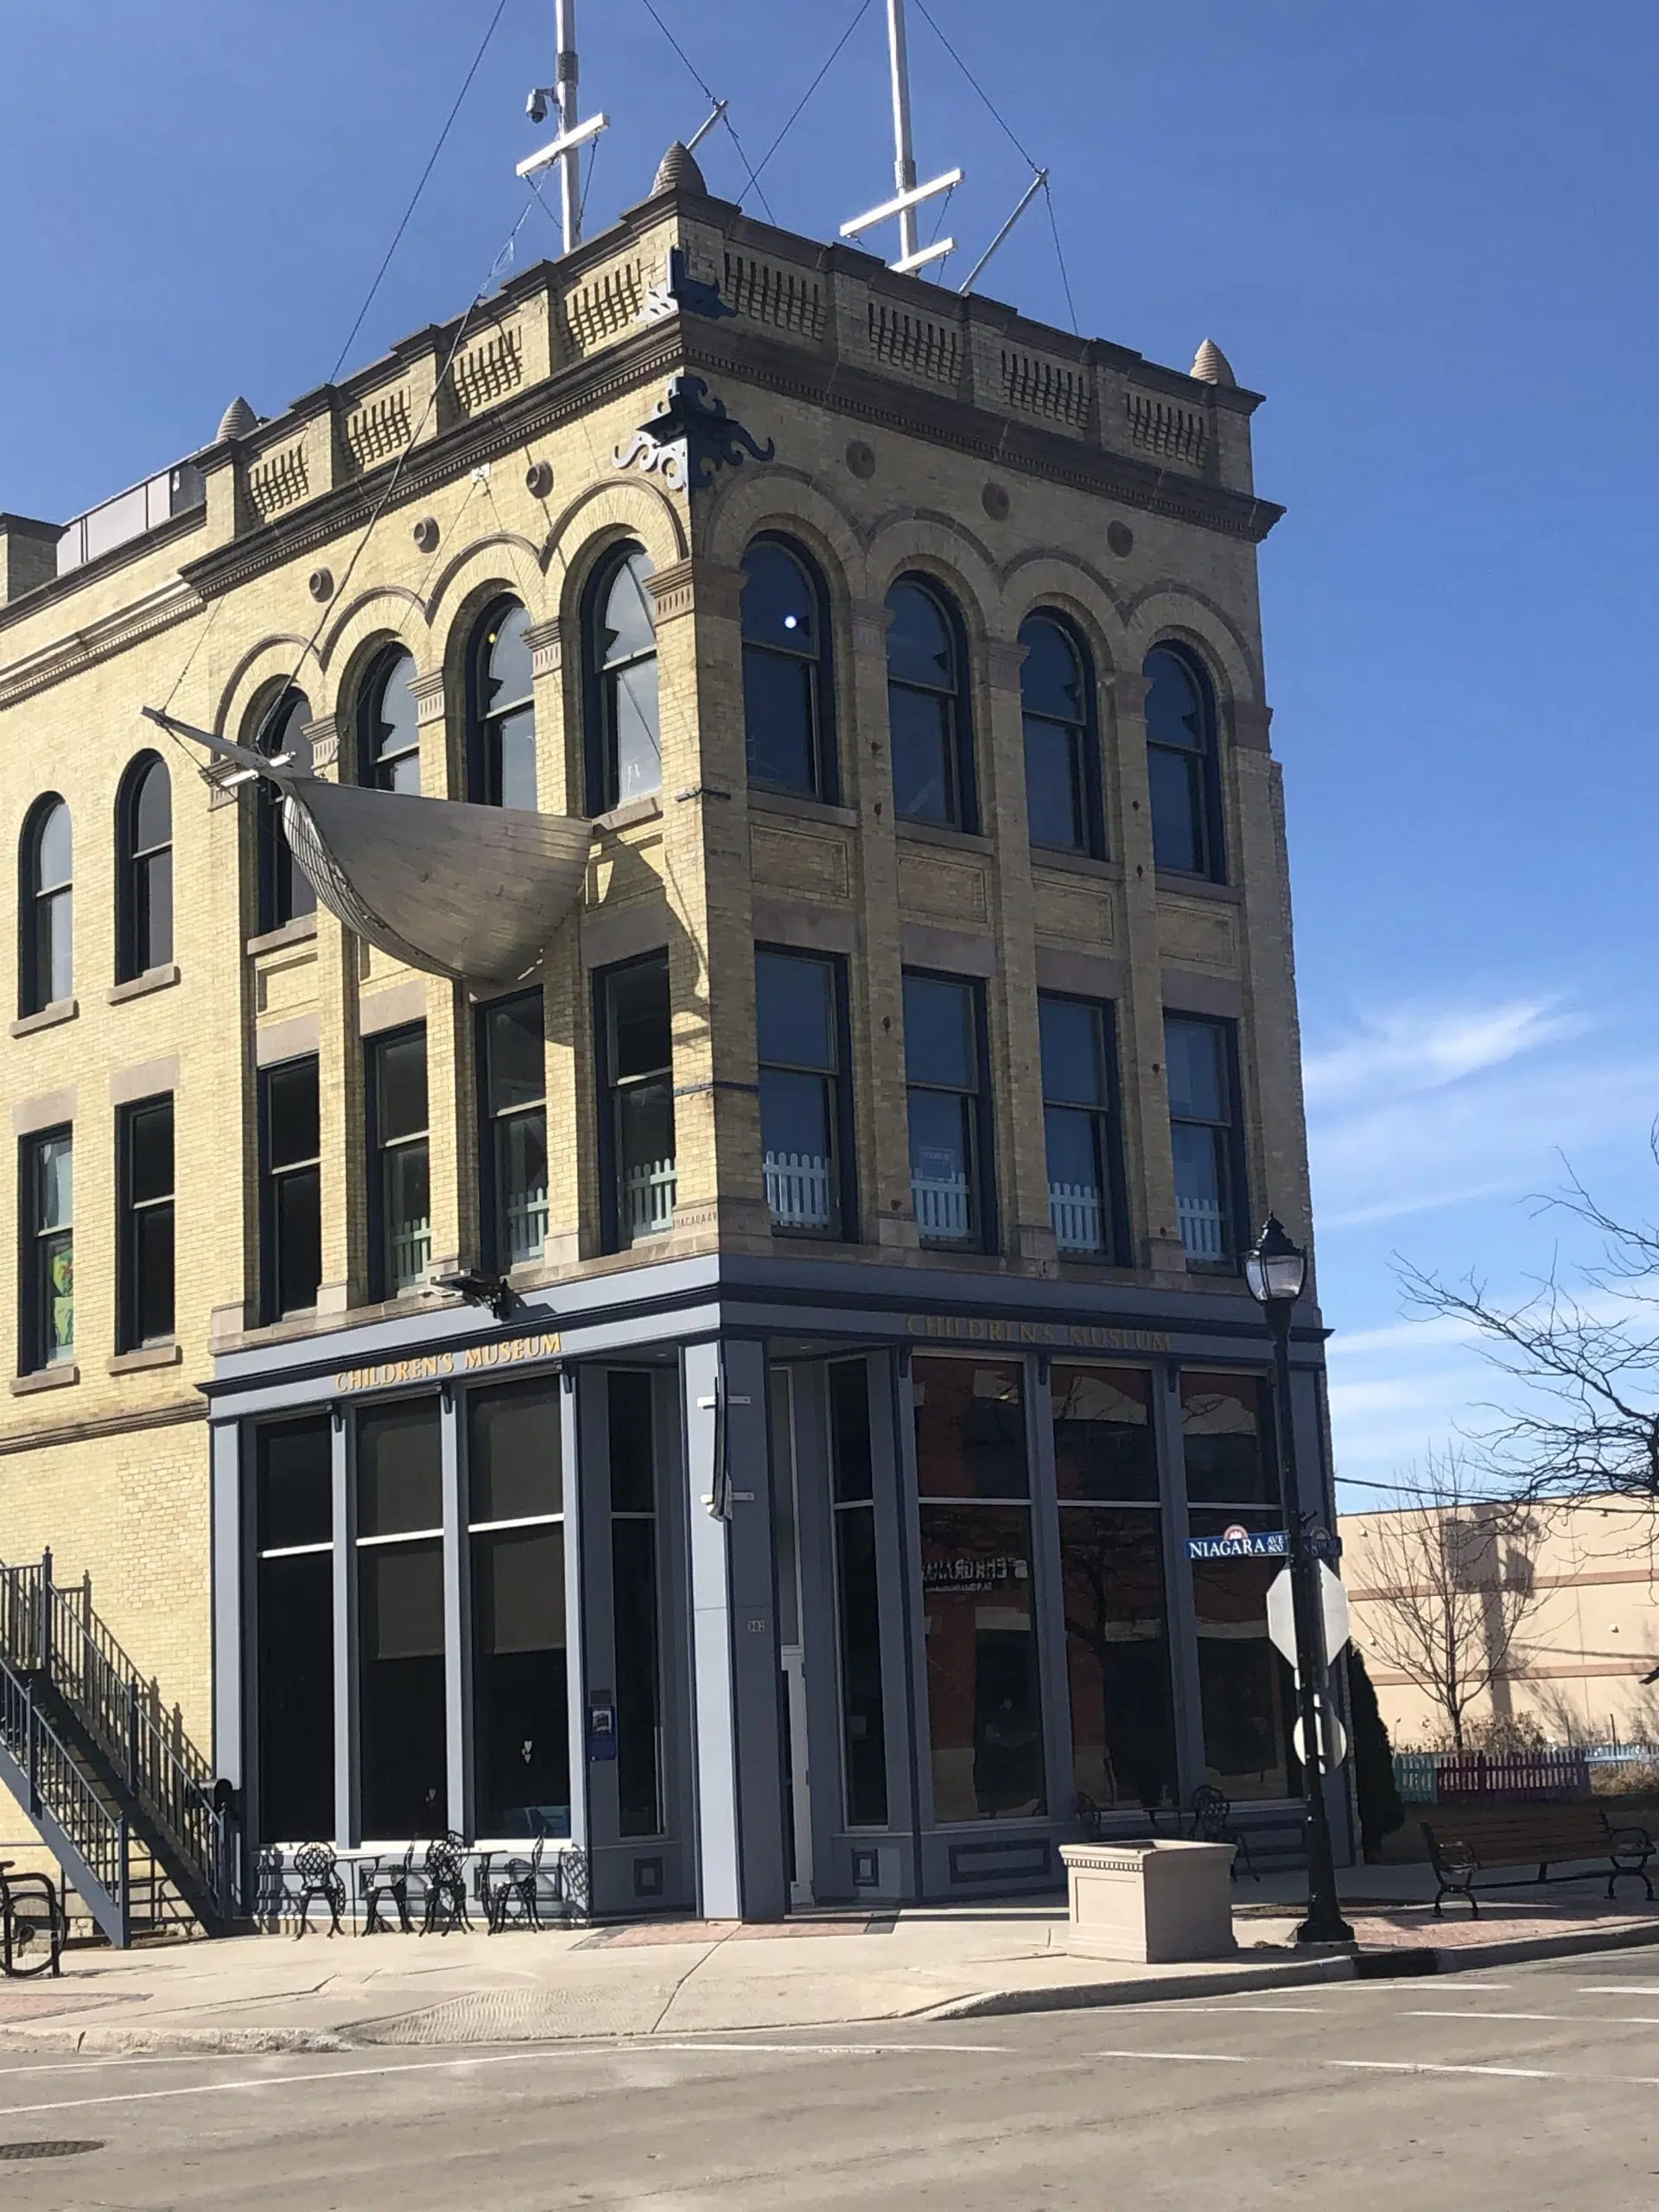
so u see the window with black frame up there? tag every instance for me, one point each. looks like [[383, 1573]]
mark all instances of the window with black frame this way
[[144, 1136], [1078, 1124], [290, 1187], [402, 1160], [285, 892], [144, 903], [388, 730], [1181, 765], [1204, 1137], [1245, 1687], [973, 1476], [631, 1422], [1056, 703], [786, 673], [798, 1025], [1112, 1580], [501, 710], [863, 1720], [929, 723], [46, 966], [47, 1178], [514, 1070], [625, 732], [637, 1126], [403, 1738], [521, 1709], [945, 1079], [294, 1698]]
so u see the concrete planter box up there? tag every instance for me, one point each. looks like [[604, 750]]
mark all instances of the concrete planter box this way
[[1155, 1902]]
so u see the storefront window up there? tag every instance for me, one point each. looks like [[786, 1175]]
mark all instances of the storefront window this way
[[985, 1718], [403, 1745], [633, 1572], [521, 1720], [1112, 1575], [863, 1727], [1244, 1686], [293, 1535]]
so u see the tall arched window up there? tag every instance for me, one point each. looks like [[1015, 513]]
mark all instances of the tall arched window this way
[[625, 738], [143, 936], [45, 907], [928, 716], [1057, 699], [285, 892], [1181, 765], [786, 673], [501, 710], [388, 732]]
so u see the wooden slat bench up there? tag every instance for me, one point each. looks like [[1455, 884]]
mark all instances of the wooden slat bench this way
[[1463, 1841]]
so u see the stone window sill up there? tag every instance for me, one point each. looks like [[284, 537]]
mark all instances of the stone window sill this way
[[1044, 856], [140, 987], [797, 803], [647, 808], [934, 833], [134, 1363], [298, 932], [48, 1018], [45, 1378], [1198, 887]]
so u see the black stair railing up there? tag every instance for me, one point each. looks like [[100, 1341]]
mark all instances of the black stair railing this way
[[50, 1634], [88, 1836]]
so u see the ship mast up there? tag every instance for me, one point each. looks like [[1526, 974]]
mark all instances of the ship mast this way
[[565, 150], [910, 195]]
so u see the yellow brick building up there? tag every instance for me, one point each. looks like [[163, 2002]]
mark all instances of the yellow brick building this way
[[787, 1494]]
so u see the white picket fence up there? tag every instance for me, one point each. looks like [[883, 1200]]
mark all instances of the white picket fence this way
[[942, 1207], [1078, 1213], [798, 1190], [648, 1199]]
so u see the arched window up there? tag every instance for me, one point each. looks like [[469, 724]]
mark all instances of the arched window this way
[[928, 716], [144, 857], [786, 673], [624, 737], [45, 908], [501, 710], [1057, 700], [388, 733], [1181, 765], [285, 892]]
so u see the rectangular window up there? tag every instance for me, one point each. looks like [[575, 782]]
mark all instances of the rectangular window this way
[[521, 1714], [973, 1474], [636, 1059], [950, 1183], [47, 1257], [403, 1738], [799, 1023], [403, 1179], [294, 1535], [513, 1064], [1204, 1137], [1112, 1572], [633, 1583], [862, 1717], [1078, 1125], [144, 1136], [290, 1188]]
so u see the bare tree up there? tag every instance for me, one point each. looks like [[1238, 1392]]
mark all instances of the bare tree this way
[[1450, 1581]]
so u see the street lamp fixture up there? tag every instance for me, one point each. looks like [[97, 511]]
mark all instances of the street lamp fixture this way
[[1276, 1270]]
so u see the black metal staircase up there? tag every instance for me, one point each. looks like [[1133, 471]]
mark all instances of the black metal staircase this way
[[126, 1802]]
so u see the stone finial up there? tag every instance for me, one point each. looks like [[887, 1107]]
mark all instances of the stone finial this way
[[677, 171], [1211, 364], [238, 419]]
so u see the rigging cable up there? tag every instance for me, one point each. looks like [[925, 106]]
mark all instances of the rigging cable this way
[[709, 94], [863, 10]]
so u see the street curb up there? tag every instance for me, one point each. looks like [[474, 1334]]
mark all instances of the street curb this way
[[1070, 1997], [1526, 1948]]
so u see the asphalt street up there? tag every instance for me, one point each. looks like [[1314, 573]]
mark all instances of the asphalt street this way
[[1529, 2090]]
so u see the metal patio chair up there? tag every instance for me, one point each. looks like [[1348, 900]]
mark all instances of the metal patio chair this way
[[443, 1877], [518, 1882], [1212, 1823], [378, 1878], [320, 1878]]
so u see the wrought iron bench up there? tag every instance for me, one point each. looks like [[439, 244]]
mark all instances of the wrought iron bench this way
[[1480, 1839], [31, 1924]]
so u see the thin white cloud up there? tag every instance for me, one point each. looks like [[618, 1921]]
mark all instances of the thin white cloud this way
[[1414, 1047]]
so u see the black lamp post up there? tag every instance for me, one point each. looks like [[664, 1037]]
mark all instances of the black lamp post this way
[[1276, 1271]]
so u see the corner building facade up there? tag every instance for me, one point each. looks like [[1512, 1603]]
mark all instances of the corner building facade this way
[[869, 1158]]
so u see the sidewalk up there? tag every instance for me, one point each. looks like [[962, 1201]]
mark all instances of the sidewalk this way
[[676, 1978]]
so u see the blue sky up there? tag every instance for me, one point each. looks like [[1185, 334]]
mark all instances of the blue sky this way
[[1427, 232]]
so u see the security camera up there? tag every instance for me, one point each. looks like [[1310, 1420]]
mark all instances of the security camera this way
[[536, 106]]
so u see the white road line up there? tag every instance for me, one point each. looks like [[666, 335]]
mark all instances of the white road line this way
[[643, 2046], [1574, 2017], [1415, 2065], [1195, 2057], [1619, 1989], [1176, 2005]]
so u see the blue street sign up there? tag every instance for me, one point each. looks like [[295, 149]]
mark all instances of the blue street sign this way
[[1260, 1543]]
